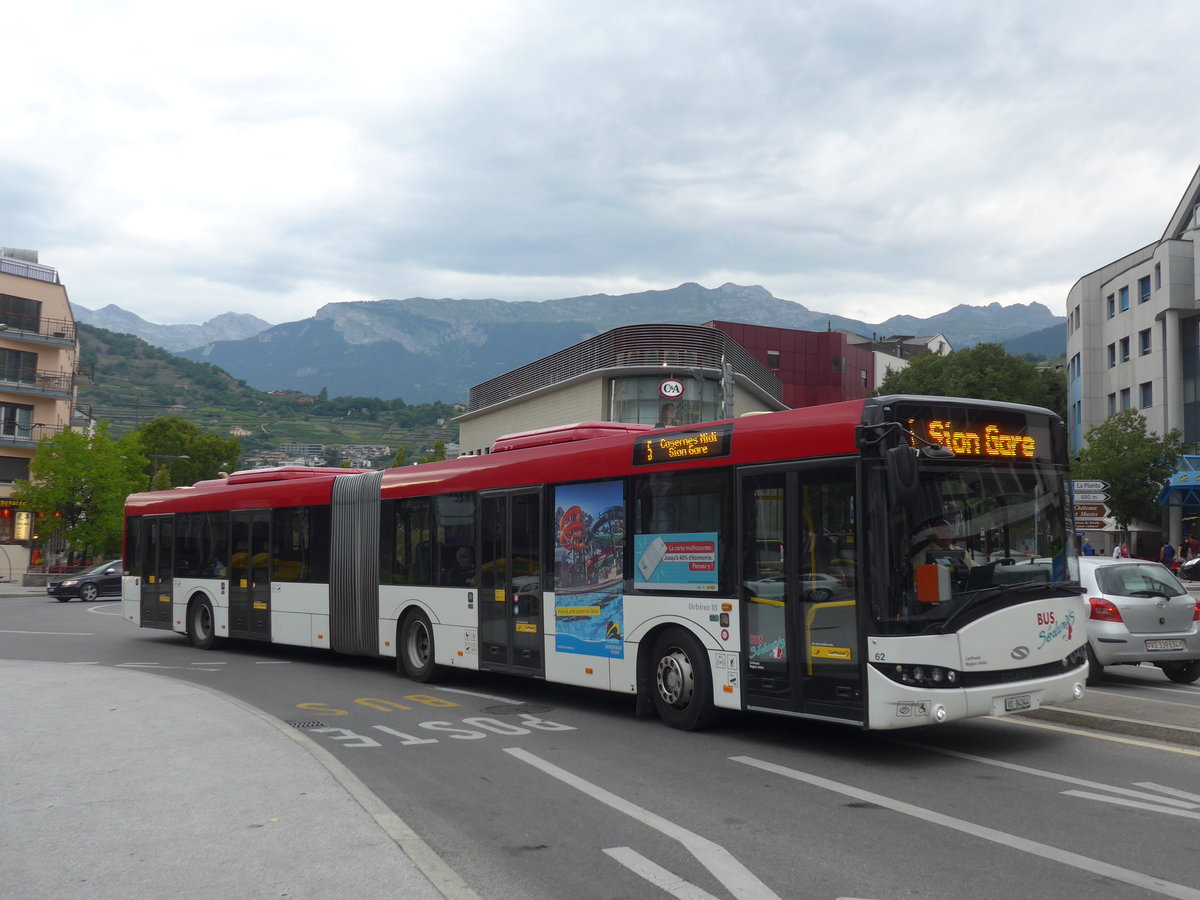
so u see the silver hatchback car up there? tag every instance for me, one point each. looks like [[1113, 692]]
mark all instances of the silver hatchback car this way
[[1139, 612]]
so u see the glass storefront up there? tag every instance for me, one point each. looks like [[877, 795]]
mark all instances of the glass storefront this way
[[640, 400]]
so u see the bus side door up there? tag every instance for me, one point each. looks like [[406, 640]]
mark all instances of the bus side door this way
[[250, 575], [511, 632], [155, 569], [799, 590]]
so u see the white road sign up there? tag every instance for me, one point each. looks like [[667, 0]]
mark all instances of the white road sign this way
[[1089, 485], [1089, 498]]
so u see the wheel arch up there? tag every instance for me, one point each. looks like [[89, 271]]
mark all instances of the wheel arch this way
[[220, 613], [646, 637]]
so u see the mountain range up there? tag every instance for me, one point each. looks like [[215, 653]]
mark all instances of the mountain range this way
[[426, 350]]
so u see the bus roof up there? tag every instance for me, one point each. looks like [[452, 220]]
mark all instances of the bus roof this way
[[246, 489]]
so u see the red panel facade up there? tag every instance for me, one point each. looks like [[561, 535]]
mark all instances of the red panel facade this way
[[814, 367]]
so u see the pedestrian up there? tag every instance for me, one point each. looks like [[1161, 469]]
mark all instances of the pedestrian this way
[[1087, 549], [1166, 553]]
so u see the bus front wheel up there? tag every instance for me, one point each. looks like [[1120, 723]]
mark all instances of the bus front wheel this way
[[682, 687], [201, 627], [416, 648]]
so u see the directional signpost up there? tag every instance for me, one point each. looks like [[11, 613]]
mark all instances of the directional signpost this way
[[1091, 508]]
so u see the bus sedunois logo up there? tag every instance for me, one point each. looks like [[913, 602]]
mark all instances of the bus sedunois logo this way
[[1019, 652]]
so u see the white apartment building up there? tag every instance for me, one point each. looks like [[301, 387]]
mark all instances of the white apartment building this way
[[1133, 338]]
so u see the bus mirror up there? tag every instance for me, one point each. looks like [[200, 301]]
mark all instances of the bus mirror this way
[[903, 474]]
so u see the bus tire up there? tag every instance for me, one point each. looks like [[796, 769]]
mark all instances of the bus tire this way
[[201, 625], [681, 682], [415, 646]]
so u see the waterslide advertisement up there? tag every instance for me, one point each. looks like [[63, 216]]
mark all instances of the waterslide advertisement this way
[[589, 548], [679, 562]]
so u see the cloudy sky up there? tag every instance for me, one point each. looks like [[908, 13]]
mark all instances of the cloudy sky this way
[[862, 158]]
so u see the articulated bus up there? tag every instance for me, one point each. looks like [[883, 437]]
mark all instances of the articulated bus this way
[[886, 563]]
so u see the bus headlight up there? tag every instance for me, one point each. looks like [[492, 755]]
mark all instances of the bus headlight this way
[[922, 676]]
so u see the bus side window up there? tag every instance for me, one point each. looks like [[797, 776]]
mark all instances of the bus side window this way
[[693, 504]]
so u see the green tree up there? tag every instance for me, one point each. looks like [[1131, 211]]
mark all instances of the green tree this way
[[438, 453], [188, 453], [78, 483], [400, 459], [1136, 464], [983, 372]]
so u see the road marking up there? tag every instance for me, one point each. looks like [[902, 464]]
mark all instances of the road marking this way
[[1096, 715], [739, 880], [138, 665], [268, 662], [451, 690], [1034, 848], [1175, 792], [1043, 773], [661, 878], [1126, 696], [57, 633], [1095, 735], [1136, 804]]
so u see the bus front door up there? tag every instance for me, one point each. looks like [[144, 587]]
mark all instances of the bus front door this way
[[250, 575], [155, 569], [799, 591], [511, 632]]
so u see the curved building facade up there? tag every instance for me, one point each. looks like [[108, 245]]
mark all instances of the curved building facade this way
[[644, 374]]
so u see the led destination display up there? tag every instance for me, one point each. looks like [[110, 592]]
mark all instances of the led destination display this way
[[683, 446]]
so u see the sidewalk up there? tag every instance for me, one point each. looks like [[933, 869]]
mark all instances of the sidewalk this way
[[119, 784]]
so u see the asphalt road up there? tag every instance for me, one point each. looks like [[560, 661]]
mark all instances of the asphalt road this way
[[534, 790]]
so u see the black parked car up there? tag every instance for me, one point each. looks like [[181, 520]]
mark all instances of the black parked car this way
[[103, 580], [1190, 570]]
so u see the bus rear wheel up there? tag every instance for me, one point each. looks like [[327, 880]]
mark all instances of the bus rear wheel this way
[[201, 627], [682, 687], [416, 648]]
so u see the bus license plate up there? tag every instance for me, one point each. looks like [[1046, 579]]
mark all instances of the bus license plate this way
[[1164, 645], [1019, 703]]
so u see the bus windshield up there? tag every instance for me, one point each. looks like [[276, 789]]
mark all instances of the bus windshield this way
[[979, 536]]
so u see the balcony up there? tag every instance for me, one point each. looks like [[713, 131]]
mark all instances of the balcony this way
[[36, 271], [25, 434], [38, 329], [37, 382]]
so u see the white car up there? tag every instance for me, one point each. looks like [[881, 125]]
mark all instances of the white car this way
[[1139, 612], [814, 586]]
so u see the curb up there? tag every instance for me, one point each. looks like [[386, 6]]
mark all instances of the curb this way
[[1175, 734]]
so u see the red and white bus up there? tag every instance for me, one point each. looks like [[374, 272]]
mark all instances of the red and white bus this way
[[887, 562]]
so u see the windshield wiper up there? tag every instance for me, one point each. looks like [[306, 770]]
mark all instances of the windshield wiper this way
[[975, 599]]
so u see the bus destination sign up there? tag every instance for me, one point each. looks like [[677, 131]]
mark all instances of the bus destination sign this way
[[683, 446], [988, 439]]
